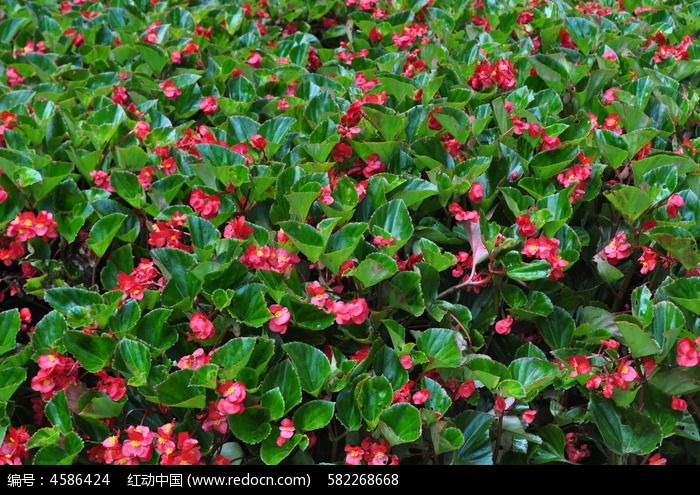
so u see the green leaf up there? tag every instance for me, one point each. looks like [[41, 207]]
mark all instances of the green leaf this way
[[305, 238], [375, 268], [342, 244], [60, 456], [535, 304], [558, 328], [234, 355], [552, 447], [624, 431], [272, 454], [133, 359], [518, 270], [400, 423], [373, 396], [583, 32], [681, 291], [445, 439], [440, 345], [476, 449], [98, 405], [58, 414], [404, 292], [249, 305], [392, 220], [155, 331], [642, 305], [311, 364], [639, 342], [630, 201], [274, 402], [9, 326], [48, 332], [204, 234], [125, 318], [534, 374], [678, 381], [435, 257], [103, 232], [307, 315], [284, 376], [71, 300], [488, 371], [176, 266], [313, 415], [43, 437], [439, 401], [128, 187], [93, 352], [205, 376], [10, 380], [252, 425], [176, 391]]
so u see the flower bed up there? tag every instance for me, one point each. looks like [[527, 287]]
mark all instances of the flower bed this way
[[370, 232]]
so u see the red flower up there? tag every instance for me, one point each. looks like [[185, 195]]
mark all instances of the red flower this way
[[353, 455], [656, 460], [193, 361], [258, 141], [476, 192], [678, 404], [617, 249], [499, 405], [13, 449], [169, 89], [565, 40], [201, 327], [280, 318], [13, 76], [674, 202], [420, 396], [525, 226], [579, 364], [502, 326], [355, 312], [142, 129], [529, 416], [27, 225], [542, 247], [237, 229], [254, 60], [465, 389], [687, 353], [609, 95], [209, 105], [375, 35], [139, 443], [234, 393], [130, 286], [286, 431], [213, 419], [612, 123], [205, 204], [648, 259], [113, 386], [101, 179], [145, 177], [373, 166]]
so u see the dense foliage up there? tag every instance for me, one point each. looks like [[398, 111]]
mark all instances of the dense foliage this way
[[363, 232]]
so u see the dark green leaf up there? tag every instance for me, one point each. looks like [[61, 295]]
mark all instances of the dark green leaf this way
[[311, 364], [93, 352], [103, 232], [313, 415], [400, 423]]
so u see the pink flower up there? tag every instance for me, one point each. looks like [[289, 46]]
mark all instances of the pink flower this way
[[142, 129], [476, 192], [286, 431], [254, 60], [406, 361], [626, 371], [499, 405], [609, 95], [657, 460], [373, 166], [115, 387], [382, 241], [610, 55], [13, 76], [325, 195], [461, 215], [195, 360], [201, 327], [648, 259], [213, 419], [280, 318], [617, 249], [529, 416], [579, 364], [672, 205], [101, 179], [234, 393], [687, 353], [355, 312], [503, 326], [169, 89], [139, 443], [420, 396], [209, 105], [678, 404], [353, 455]]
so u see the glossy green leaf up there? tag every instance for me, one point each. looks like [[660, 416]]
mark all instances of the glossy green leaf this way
[[103, 232], [133, 359], [639, 342], [93, 352], [273, 454], [58, 413], [252, 425], [400, 423], [373, 396], [10, 380], [375, 268], [9, 326], [311, 364], [686, 293], [284, 376], [440, 345], [176, 391], [404, 292], [624, 431], [476, 449], [313, 415], [392, 220]]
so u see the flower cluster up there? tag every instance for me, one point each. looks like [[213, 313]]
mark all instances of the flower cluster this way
[[370, 451], [56, 373]]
